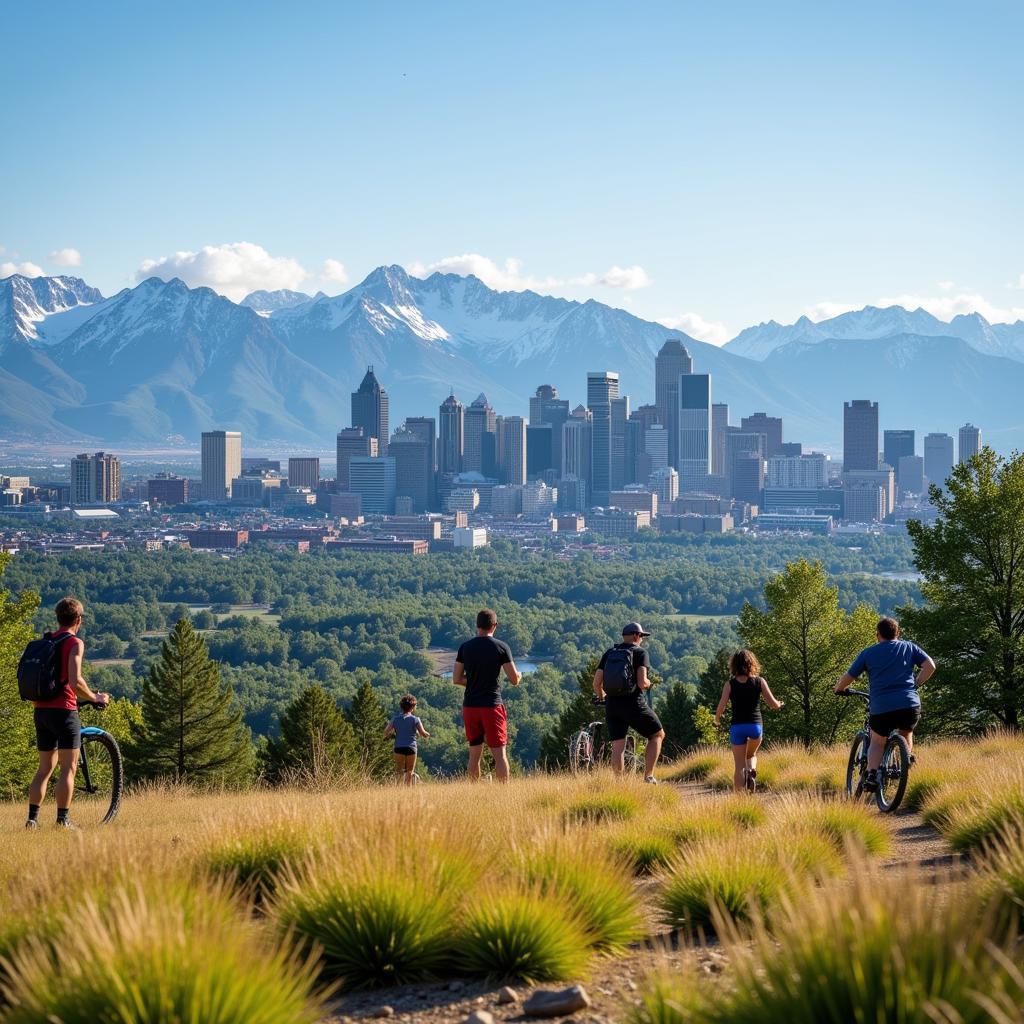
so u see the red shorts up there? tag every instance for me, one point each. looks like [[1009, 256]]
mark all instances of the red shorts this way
[[486, 724]]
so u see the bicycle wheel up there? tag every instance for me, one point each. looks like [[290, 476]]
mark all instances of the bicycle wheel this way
[[631, 760], [579, 751], [892, 774], [99, 780], [856, 767]]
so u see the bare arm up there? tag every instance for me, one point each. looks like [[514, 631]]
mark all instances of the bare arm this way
[[641, 678], [722, 702], [845, 682], [389, 730], [420, 731], [927, 670], [599, 684], [459, 674], [769, 697], [78, 684], [514, 676]]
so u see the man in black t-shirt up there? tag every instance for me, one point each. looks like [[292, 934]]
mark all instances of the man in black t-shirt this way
[[478, 667], [631, 710]]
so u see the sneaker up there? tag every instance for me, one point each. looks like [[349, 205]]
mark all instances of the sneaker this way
[[67, 825], [651, 779], [31, 823], [751, 778], [871, 782]]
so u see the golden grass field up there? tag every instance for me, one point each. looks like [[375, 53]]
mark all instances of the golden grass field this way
[[267, 906]]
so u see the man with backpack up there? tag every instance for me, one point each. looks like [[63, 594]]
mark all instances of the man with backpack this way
[[50, 675], [622, 681]]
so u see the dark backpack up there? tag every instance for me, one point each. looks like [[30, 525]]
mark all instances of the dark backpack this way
[[40, 671], [619, 680]]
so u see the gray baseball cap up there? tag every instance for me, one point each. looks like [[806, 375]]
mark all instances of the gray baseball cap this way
[[633, 628]]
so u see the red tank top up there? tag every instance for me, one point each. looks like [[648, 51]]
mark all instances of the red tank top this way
[[66, 701]]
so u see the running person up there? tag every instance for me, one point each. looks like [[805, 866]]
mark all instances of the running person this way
[[895, 702], [744, 690], [405, 728], [478, 667], [626, 706], [57, 722]]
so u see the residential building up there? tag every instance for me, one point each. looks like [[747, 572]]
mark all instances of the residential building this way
[[221, 455], [803, 471], [860, 434], [672, 362], [452, 426], [970, 441], [352, 442], [304, 472], [938, 458], [694, 462], [374, 480], [370, 409], [602, 390], [95, 479]]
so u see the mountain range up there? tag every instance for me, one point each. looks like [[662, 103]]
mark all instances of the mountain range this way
[[162, 361]]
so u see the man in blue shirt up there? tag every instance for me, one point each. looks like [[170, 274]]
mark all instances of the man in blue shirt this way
[[895, 704]]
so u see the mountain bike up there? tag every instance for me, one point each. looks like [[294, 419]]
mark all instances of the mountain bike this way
[[99, 781], [892, 772], [588, 748]]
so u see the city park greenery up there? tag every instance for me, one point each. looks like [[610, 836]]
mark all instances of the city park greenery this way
[[315, 671]]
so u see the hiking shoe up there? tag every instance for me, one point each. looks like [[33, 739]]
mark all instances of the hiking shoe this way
[[751, 779], [31, 823], [651, 780], [67, 825], [871, 782]]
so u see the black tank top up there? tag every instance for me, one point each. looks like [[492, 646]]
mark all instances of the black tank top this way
[[746, 701]]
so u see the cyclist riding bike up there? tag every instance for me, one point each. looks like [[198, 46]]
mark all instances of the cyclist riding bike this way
[[895, 703]]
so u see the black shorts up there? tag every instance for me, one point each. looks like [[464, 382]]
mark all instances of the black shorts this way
[[407, 751], [902, 718], [57, 729], [625, 713]]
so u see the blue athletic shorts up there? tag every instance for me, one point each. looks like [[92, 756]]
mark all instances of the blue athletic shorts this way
[[741, 733]]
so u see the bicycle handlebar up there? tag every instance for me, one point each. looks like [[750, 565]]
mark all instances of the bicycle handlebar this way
[[597, 701], [92, 704], [855, 693]]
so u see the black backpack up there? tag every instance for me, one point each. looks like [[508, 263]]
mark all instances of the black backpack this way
[[619, 680], [40, 672]]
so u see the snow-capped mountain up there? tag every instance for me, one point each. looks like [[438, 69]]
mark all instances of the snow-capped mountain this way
[[265, 302], [872, 322], [43, 309]]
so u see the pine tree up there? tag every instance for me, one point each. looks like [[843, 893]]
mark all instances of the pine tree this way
[[317, 743], [192, 729], [368, 720], [17, 747]]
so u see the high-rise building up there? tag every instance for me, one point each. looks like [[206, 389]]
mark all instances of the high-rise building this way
[[370, 409], [896, 444], [770, 426], [168, 489], [221, 455], [425, 428], [860, 434], [738, 445], [602, 390], [452, 435], [911, 474], [884, 478], [479, 448], [672, 362], [621, 469], [512, 449], [304, 472], [352, 442], [373, 479], [694, 420], [970, 441], [540, 456], [719, 428], [547, 409], [748, 478], [95, 479], [804, 471], [656, 446], [938, 458], [414, 468], [576, 451], [863, 501], [665, 483]]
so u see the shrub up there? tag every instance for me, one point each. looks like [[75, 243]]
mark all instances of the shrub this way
[[644, 850], [150, 955], [669, 999], [1002, 874], [603, 807], [746, 813], [521, 935], [695, 767], [843, 823], [255, 860], [993, 812]]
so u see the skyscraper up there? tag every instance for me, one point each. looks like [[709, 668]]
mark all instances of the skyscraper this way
[[414, 467], [576, 451], [452, 437], [656, 446], [895, 445], [547, 409], [694, 420], [938, 458], [602, 390], [352, 442], [621, 469], [370, 409], [970, 441], [748, 478], [540, 456], [739, 445], [512, 450], [95, 479], [221, 455], [373, 479], [770, 426], [671, 362], [860, 434], [480, 422], [911, 474], [304, 472], [719, 428]]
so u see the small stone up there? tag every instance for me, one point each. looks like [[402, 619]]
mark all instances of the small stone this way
[[384, 1011], [556, 1002], [507, 995], [480, 1017], [631, 985]]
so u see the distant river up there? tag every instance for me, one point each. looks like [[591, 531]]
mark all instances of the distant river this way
[[526, 667]]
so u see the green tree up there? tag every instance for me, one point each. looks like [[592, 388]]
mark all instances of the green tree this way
[[18, 759], [972, 623], [368, 720], [317, 744], [554, 748], [676, 710], [192, 729], [805, 641]]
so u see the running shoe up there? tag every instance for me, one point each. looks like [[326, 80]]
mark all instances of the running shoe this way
[[67, 825], [750, 776], [651, 780], [871, 781], [31, 823]]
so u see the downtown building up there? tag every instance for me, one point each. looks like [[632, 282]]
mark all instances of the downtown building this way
[[95, 479], [694, 418], [221, 457], [480, 447], [969, 442], [938, 458], [370, 409], [304, 472], [672, 362], [374, 480], [352, 442], [602, 390]]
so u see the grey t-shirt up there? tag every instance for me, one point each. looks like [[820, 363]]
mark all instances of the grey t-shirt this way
[[405, 726]]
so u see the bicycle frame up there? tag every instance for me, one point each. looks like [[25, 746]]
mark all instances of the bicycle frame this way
[[83, 757]]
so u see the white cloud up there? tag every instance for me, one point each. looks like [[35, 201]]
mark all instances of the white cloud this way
[[947, 286], [66, 258], [693, 324], [234, 270], [629, 278], [943, 307], [334, 271], [26, 269]]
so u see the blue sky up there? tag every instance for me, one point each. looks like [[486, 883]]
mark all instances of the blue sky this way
[[707, 165]]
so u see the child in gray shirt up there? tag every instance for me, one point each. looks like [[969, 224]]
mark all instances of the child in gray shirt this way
[[405, 728]]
